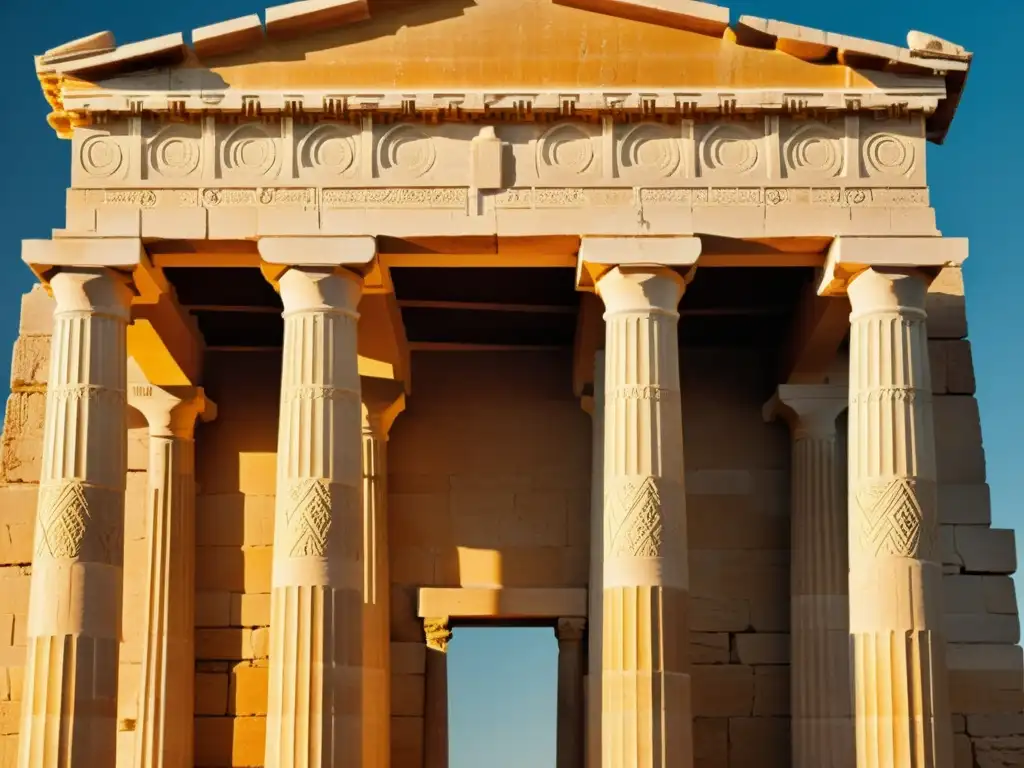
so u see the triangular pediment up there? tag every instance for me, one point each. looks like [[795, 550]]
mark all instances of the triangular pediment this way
[[663, 51]]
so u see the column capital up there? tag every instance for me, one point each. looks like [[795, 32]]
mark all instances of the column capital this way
[[438, 633], [350, 254], [570, 629], [598, 255], [810, 410], [96, 290], [888, 290], [319, 289], [646, 289], [383, 402], [171, 411], [849, 256]]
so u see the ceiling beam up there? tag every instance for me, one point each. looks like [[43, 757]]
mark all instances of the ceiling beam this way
[[819, 326]]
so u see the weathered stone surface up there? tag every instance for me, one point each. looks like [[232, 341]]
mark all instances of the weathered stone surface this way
[[759, 741], [709, 647], [711, 742], [21, 446], [36, 312], [31, 362], [248, 692], [959, 455], [947, 311], [996, 725], [708, 614], [986, 550], [1000, 594], [965, 504], [17, 524], [982, 628], [999, 752], [771, 690], [722, 690], [762, 648]]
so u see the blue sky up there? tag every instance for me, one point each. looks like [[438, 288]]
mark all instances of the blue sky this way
[[503, 682]]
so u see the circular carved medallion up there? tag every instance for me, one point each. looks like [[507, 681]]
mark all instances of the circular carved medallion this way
[[650, 148], [329, 148], [887, 154], [406, 150], [101, 156], [730, 148], [174, 153], [813, 150], [566, 149], [249, 150]]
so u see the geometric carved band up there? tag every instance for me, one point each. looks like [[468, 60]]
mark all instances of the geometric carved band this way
[[897, 517], [308, 518], [633, 517], [73, 522]]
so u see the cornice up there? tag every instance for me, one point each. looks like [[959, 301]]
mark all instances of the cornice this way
[[90, 77]]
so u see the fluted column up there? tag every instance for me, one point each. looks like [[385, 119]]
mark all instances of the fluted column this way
[[901, 703], [570, 693], [314, 715], [69, 708], [646, 718], [382, 402], [821, 696], [166, 699], [596, 592], [435, 709]]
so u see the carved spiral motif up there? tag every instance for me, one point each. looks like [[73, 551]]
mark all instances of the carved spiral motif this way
[[329, 148], [249, 150], [650, 148], [730, 148], [406, 150], [175, 151], [887, 154], [101, 156], [813, 150], [565, 148]]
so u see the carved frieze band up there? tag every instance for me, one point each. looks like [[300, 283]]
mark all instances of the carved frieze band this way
[[764, 151], [896, 517], [76, 521]]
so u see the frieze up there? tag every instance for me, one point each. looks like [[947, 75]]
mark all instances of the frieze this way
[[281, 152]]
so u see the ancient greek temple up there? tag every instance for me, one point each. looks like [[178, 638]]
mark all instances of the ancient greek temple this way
[[375, 319]]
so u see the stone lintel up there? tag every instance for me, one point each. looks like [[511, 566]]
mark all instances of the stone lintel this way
[[691, 15], [498, 603], [849, 256], [307, 16], [600, 254], [279, 253], [44, 257]]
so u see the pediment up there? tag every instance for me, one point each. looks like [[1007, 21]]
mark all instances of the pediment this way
[[481, 55]]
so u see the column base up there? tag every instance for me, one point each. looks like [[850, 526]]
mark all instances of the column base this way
[[59, 668]]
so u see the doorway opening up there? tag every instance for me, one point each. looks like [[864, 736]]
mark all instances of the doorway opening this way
[[503, 696]]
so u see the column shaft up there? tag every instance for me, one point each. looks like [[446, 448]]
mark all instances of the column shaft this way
[[596, 591], [164, 736], [822, 723], [69, 709], [435, 710], [314, 716], [646, 702], [901, 703], [570, 693]]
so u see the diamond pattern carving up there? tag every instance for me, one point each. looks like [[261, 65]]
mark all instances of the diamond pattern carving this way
[[308, 518], [633, 514], [892, 520], [63, 519]]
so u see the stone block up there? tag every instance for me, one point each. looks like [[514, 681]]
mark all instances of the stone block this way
[[965, 504], [986, 550], [406, 626], [1000, 594], [959, 723], [406, 742], [962, 593], [960, 458], [213, 609], [231, 644], [999, 752], [732, 522], [138, 449], [759, 741], [211, 693], [10, 718], [30, 364], [231, 223], [762, 648], [118, 222], [967, 657], [709, 647], [259, 566], [959, 368], [986, 692], [771, 691], [136, 506], [22, 442], [407, 695], [17, 523], [982, 628], [36, 312], [250, 610], [996, 725], [14, 586], [963, 755], [249, 742], [947, 312], [937, 366], [711, 742], [174, 223], [722, 690], [213, 742], [408, 658], [249, 688]]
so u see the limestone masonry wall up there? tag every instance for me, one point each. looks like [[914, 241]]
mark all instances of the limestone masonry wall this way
[[489, 478]]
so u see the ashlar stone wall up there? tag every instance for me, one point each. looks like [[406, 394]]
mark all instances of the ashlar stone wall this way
[[489, 485]]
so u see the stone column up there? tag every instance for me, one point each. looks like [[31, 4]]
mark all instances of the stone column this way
[[596, 592], [166, 698], [646, 717], [570, 692], [901, 703], [383, 400], [69, 708], [314, 715], [821, 695], [435, 706]]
